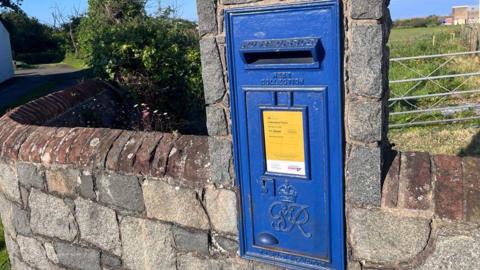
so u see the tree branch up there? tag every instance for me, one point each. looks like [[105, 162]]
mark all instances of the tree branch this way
[[11, 4]]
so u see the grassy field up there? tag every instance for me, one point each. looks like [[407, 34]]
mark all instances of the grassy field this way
[[454, 139], [406, 34]]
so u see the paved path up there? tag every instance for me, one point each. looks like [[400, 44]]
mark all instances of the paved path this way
[[26, 81]]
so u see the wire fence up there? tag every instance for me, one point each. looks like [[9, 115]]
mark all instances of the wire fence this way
[[437, 96]]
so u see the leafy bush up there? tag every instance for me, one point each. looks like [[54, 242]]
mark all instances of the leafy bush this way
[[155, 57]]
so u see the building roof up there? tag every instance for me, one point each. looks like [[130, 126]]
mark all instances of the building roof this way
[[465, 7]]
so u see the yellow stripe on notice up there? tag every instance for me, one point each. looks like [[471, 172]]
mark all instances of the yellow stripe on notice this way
[[284, 138]]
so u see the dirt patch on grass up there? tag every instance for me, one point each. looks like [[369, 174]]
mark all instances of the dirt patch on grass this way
[[448, 139]]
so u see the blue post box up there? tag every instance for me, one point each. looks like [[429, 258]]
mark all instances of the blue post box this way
[[285, 83]]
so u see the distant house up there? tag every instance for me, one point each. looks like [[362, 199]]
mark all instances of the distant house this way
[[465, 15], [448, 20], [6, 62]]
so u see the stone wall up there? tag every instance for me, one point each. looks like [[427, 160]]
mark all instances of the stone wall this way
[[99, 198], [366, 25], [403, 211], [429, 216], [76, 197]]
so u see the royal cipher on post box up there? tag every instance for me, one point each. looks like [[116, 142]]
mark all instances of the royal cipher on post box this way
[[286, 103]]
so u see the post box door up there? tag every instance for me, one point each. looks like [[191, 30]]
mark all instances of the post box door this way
[[284, 71], [289, 196]]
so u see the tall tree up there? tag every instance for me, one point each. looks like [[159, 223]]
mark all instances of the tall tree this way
[[11, 4], [69, 26]]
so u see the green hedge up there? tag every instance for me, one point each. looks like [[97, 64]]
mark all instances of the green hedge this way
[[41, 58]]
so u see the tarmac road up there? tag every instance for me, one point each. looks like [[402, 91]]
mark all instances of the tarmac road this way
[[55, 77]]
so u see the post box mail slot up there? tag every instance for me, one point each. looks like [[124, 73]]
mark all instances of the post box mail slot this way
[[285, 83]]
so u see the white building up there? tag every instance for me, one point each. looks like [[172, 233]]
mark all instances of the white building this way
[[6, 62]]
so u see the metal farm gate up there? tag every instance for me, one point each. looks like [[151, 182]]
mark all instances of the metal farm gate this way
[[439, 96]]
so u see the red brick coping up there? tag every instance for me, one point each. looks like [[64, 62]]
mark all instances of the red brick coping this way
[[447, 185], [23, 138]]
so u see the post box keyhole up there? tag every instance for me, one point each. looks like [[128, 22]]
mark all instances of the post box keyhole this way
[[267, 186]]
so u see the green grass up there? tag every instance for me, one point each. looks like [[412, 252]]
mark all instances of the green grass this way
[[70, 60], [440, 139], [406, 34], [453, 139], [35, 93], [4, 260], [415, 42], [74, 62]]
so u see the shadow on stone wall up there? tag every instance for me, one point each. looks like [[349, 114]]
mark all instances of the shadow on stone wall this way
[[473, 149], [388, 163]]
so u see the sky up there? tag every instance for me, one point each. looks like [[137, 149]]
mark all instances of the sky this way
[[42, 9], [400, 9]]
